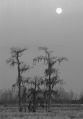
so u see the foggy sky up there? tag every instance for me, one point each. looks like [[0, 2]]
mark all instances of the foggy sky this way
[[33, 23]]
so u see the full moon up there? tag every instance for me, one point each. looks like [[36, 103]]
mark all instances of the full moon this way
[[59, 10]]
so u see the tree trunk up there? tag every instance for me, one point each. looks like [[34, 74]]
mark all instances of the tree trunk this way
[[49, 102], [19, 83], [19, 93], [34, 101]]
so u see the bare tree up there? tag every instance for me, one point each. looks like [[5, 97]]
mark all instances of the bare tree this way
[[51, 74], [33, 91], [15, 59]]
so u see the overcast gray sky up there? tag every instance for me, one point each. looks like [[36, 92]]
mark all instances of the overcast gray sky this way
[[33, 23]]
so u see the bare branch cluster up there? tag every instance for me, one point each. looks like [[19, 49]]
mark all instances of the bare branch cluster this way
[[49, 80]]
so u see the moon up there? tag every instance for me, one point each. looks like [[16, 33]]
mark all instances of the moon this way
[[59, 11]]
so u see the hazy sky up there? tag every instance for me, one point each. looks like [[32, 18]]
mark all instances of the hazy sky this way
[[33, 23]]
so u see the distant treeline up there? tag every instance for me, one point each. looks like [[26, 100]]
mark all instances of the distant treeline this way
[[7, 97]]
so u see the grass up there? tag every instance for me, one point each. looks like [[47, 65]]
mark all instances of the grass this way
[[60, 114]]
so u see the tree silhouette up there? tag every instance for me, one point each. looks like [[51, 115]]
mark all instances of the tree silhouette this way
[[15, 59], [33, 91], [51, 74]]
